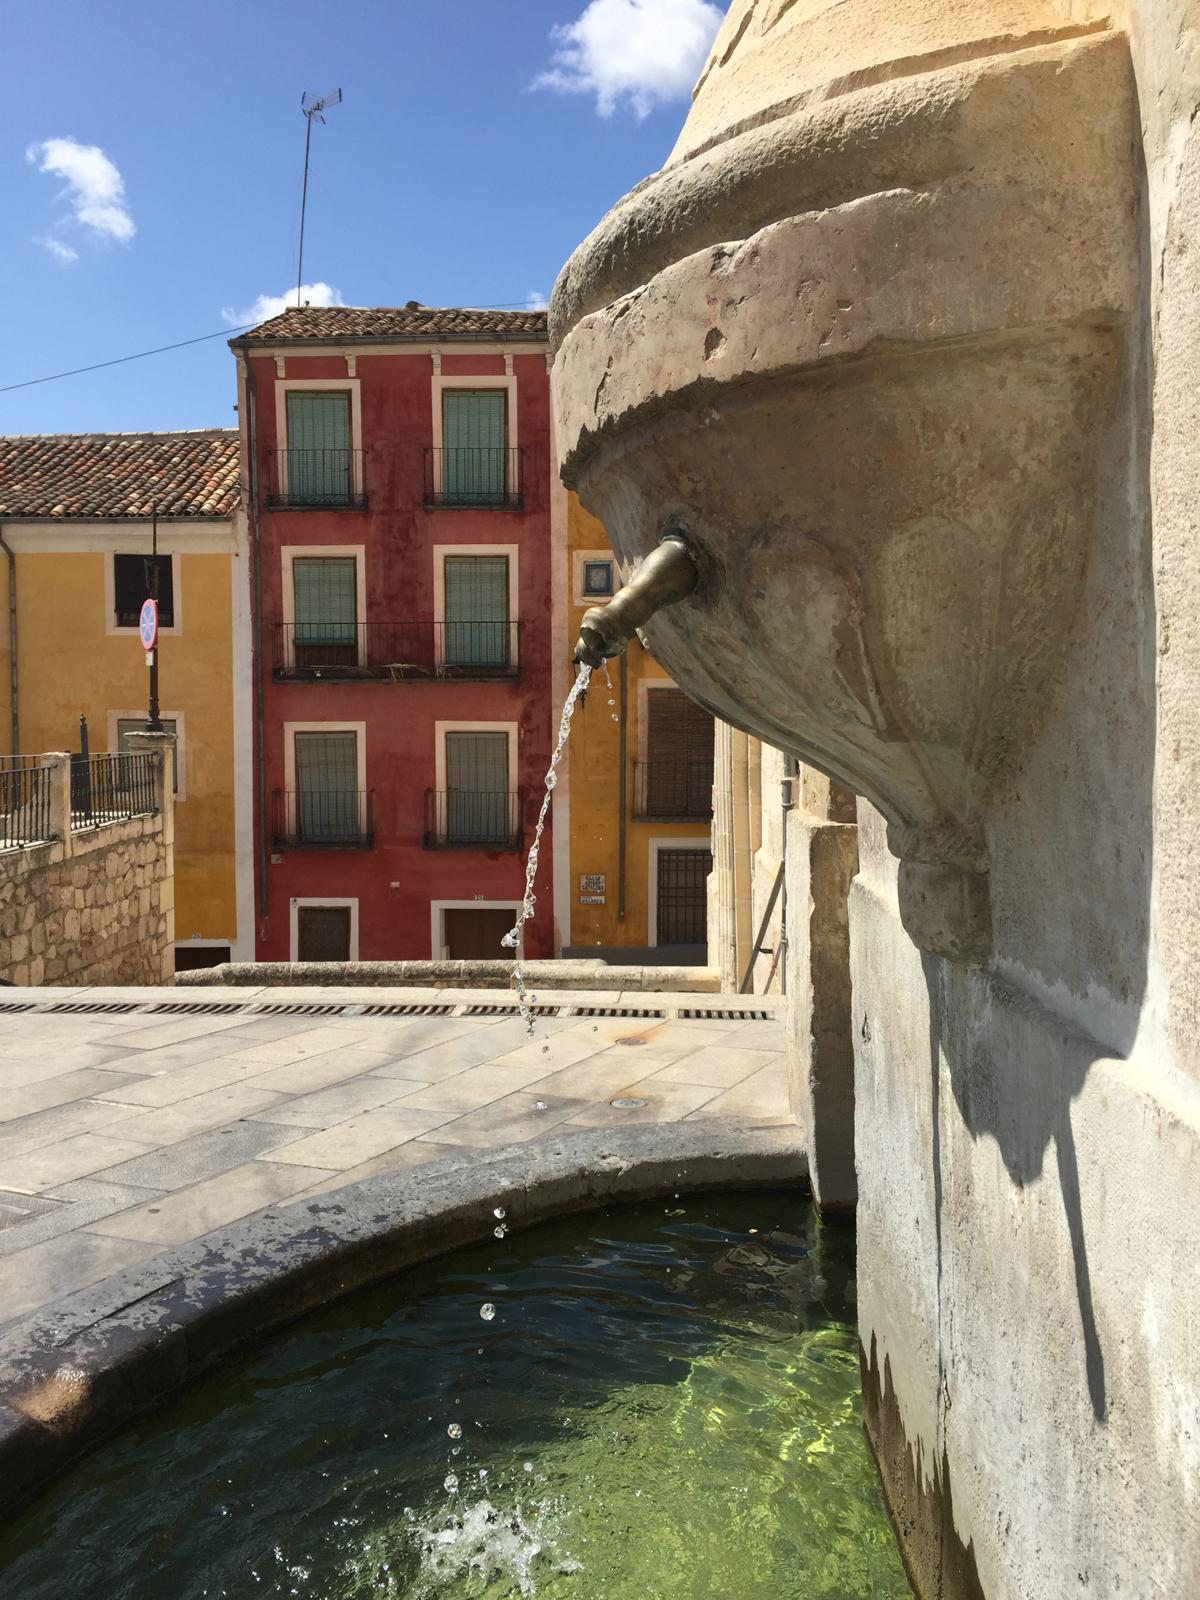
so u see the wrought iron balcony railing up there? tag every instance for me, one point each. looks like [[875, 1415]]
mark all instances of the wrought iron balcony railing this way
[[112, 788], [24, 801], [311, 479], [673, 791], [323, 819], [465, 819], [487, 477], [396, 650]]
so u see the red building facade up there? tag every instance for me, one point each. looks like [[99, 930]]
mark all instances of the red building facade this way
[[399, 471]]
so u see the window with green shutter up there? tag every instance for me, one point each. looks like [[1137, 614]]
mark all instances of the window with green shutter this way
[[325, 593], [319, 461], [477, 799], [474, 454], [477, 632], [327, 798]]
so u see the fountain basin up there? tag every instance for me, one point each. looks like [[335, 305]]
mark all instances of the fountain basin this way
[[665, 1402]]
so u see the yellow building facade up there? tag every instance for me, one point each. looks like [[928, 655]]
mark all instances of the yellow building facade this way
[[76, 520], [639, 790]]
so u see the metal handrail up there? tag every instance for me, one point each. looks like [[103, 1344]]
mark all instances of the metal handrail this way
[[397, 650], [25, 804], [487, 477], [112, 788], [311, 479], [323, 819], [470, 819]]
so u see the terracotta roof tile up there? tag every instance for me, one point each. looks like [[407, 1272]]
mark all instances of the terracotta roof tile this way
[[396, 322], [119, 475]]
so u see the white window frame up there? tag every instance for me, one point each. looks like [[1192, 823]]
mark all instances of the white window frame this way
[[284, 386], [288, 555], [700, 841], [579, 559], [321, 902], [440, 552], [468, 382], [111, 627], [179, 718], [437, 920]]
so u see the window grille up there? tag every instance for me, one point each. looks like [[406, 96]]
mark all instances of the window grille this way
[[323, 933], [683, 896], [476, 611], [131, 588], [678, 776]]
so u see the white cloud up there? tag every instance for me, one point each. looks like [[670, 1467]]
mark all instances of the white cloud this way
[[273, 305], [95, 189], [61, 252], [535, 300], [643, 51]]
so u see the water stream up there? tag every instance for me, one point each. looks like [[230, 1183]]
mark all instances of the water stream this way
[[515, 938]]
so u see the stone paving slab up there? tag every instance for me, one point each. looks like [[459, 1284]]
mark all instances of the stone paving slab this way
[[129, 1131]]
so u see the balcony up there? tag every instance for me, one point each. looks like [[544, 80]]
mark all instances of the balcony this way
[[395, 651], [673, 791], [316, 480], [464, 819], [482, 478], [329, 819]]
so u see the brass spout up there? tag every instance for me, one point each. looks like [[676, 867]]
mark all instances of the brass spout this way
[[666, 575]]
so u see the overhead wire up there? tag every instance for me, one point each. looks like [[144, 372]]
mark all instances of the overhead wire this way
[[140, 355]]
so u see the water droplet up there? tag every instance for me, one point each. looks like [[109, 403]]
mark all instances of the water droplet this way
[[615, 717], [487, 1311], [455, 1430], [540, 1105], [611, 701], [482, 1473], [499, 1213], [500, 1230], [529, 1466], [451, 1483]]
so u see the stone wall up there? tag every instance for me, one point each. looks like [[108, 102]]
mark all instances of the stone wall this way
[[92, 905]]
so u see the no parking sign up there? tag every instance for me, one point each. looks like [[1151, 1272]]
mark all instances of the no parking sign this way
[[148, 625]]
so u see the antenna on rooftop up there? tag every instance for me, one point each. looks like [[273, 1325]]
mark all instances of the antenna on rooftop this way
[[311, 108]]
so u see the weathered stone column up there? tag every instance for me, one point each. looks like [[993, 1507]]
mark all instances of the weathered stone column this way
[[59, 764], [822, 858]]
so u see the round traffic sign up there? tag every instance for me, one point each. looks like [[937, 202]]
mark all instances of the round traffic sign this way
[[148, 624]]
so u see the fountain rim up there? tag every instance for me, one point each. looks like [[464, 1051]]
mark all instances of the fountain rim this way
[[107, 1356]]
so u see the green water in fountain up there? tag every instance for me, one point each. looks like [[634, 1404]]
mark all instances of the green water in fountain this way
[[664, 1407]]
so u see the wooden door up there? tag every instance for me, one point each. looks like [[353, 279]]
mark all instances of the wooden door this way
[[475, 934]]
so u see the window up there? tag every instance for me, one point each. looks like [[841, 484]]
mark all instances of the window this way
[[474, 453], [476, 627], [597, 578], [478, 806], [319, 459], [682, 896], [128, 725], [326, 611], [327, 798], [323, 933], [677, 774], [131, 587]]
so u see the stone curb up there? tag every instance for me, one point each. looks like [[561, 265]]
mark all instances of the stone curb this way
[[563, 974], [72, 1376]]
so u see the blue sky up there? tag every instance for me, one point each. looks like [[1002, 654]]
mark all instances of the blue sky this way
[[151, 156]]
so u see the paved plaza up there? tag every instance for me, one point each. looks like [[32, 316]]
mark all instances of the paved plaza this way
[[132, 1120]]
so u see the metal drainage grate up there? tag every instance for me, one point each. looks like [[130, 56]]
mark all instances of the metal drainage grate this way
[[9, 1006], [615, 1011], [509, 1011], [197, 1008], [114, 1008], [728, 1016], [298, 1008], [406, 1011]]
